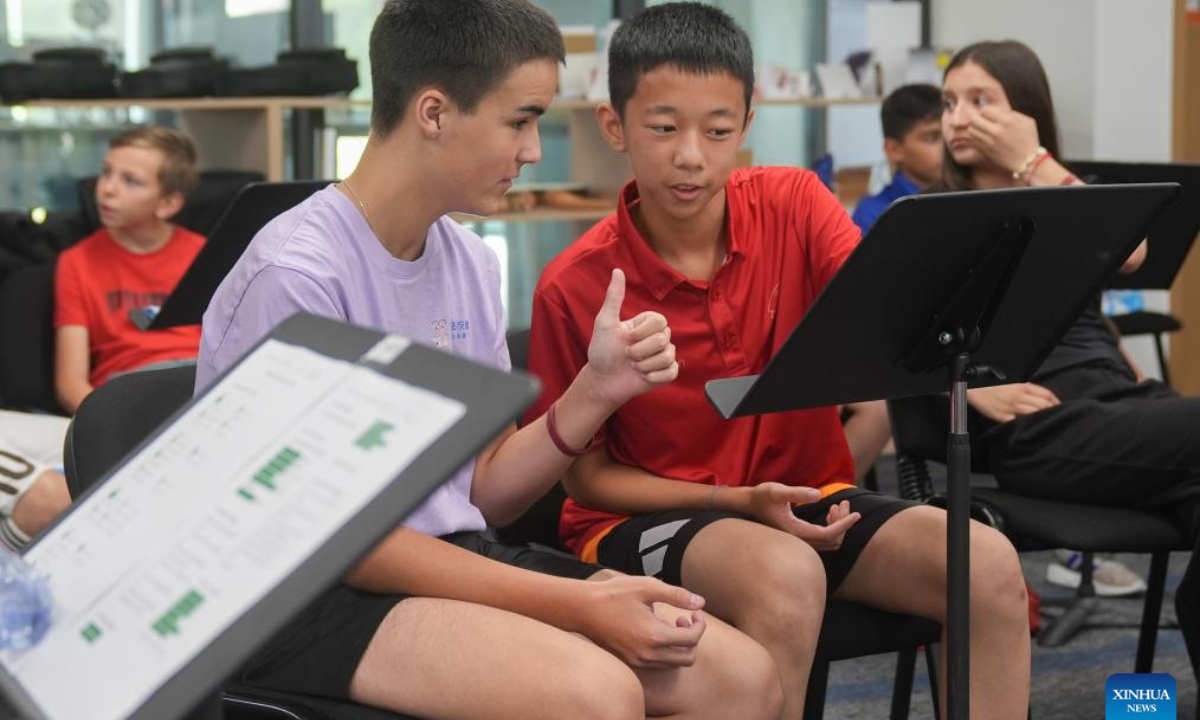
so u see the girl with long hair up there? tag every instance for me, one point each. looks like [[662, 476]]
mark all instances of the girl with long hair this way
[[1088, 429]]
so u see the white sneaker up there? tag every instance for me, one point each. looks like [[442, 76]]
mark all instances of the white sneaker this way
[[1112, 579]]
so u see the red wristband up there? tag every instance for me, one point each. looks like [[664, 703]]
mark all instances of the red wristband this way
[[563, 447], [1035, 165], [1070, 179]]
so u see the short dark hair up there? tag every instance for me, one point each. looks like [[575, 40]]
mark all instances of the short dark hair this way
[[907, 106], [692, 37], [178, 172], [464, 47], [1023, 78]]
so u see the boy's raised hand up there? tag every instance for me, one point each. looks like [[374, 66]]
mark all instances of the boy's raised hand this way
[[621, 619], [629, 357], [771, 504]]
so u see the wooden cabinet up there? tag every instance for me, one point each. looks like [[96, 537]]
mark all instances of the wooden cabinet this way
[[1185, 293]]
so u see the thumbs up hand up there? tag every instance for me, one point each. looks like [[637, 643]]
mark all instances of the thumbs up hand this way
[[629, 357]]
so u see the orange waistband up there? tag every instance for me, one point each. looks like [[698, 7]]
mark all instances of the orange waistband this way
[[591, 548], [831, 488]]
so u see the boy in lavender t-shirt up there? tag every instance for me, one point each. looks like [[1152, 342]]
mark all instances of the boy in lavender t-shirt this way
[[321, 257], [437, 621]]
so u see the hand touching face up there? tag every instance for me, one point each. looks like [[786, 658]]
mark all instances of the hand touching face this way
[[980, 127]]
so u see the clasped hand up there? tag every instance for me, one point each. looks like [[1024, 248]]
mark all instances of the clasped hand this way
[[623, 620]]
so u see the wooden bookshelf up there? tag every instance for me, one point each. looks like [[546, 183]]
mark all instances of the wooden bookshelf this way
[[243, 133]]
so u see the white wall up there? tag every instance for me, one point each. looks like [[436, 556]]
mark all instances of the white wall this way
[[1133, 70], [1061, 34]]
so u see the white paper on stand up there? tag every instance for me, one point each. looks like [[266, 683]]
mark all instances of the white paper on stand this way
[[210, 516]]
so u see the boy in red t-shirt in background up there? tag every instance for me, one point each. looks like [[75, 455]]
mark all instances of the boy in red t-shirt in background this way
[[129, 265]]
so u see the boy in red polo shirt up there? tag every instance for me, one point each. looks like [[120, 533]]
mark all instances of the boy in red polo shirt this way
[[129, 265], [734, 258]]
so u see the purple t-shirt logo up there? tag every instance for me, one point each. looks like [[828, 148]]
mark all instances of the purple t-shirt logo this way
[[444, 332], [441, 334]]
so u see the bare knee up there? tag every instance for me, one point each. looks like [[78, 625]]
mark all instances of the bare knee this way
[[750, 686], [790, 591], [734, 677], [42, 502], [997, 584], [602, 688]]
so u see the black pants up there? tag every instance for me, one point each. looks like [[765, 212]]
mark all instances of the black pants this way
[[1112, 442]]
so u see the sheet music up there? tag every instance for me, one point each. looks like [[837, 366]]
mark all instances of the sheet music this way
[[211, 516]]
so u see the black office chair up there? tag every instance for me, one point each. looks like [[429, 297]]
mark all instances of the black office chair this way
[[849, 630], [27, 339], [205, 204], [1156, 324], [919, 429], [113, 420]]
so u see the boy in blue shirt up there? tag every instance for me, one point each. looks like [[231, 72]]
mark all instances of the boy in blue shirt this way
[[912, 141]]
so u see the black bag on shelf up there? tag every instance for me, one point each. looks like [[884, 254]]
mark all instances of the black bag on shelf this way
[[320, 71], [180, 72], [59, 73]]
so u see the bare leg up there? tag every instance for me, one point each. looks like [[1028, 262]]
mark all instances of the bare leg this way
[[903, 569], [774, 593], [41, 503], [734, 677], [448, 660]]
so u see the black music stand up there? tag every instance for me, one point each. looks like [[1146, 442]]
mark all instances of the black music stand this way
[[1169, 241], [947, 291], [1172, 237]]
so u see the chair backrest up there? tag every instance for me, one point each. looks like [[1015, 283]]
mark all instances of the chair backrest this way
[[28, 238], [204, 205], [118, 415], [920, 424], [919, 429], [27, 339], [539, 524]]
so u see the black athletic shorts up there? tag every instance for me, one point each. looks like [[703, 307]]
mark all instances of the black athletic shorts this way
[[653, 544], [318, 652]]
